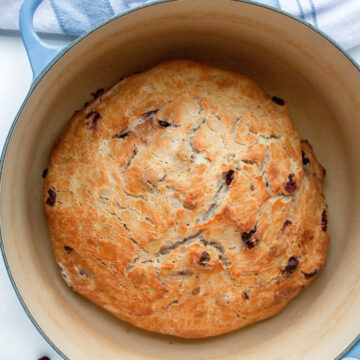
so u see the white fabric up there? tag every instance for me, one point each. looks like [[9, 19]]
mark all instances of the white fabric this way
[[340, 19], [44, 20]]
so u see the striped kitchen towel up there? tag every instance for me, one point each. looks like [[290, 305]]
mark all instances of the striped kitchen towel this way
[[340, 19]]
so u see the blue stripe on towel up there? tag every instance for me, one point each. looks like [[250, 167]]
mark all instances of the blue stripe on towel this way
[[300, 9], [277, 4], [313, 12], [77, 16], [58, 16], [109, 7]]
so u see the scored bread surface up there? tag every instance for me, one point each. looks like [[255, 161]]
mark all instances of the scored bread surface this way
[[183, 201]]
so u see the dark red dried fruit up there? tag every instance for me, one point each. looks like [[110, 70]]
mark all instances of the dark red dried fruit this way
[[286, 224], [229, 177], [44, 358], [89, 114], [310, 275], [83, 273], [97, 93], [245, 295], [122, 135], [290, 185], [44, 173], [324, 220], [94, 121], [204, 257], [292, 264], [196, 291], [305, 159], [150, 113], [51, 198], [164, 123], [278, 100], [95, 116], [246, 238], [68, 249], [185, 273]]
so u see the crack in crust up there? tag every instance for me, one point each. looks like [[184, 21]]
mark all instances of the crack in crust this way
[[216, 202], [190, 206], [169, 247]]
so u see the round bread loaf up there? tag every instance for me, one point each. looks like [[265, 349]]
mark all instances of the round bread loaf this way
[[183, 201]]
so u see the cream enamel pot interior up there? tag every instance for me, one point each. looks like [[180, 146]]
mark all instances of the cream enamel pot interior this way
[[288, 59]]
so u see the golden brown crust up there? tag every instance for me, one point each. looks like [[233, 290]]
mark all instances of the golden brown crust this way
[[183, 201]]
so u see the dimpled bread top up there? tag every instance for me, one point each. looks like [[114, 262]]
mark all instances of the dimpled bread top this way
[[183, 201]]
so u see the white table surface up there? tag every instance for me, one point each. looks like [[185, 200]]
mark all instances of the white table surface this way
[[19, 340]]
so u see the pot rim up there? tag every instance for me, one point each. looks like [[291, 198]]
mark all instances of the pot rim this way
[[58, 56]]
